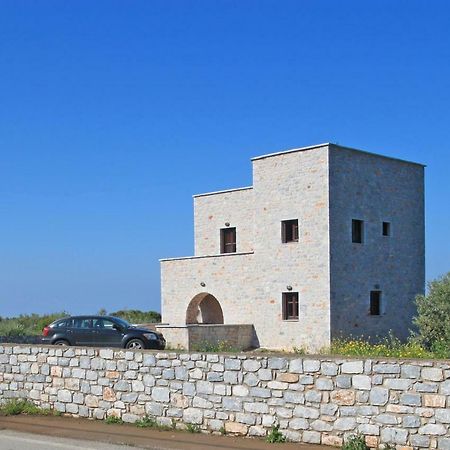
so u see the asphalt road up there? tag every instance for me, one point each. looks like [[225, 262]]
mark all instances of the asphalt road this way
[[65, 433], [16, 440]]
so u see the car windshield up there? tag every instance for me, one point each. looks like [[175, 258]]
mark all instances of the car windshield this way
[[122, 322]]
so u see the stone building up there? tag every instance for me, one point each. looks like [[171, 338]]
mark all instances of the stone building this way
[[328, 242]]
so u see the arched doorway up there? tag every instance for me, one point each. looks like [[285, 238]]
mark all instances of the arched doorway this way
[[204, 309]]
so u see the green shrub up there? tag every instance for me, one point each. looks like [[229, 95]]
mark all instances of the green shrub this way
[[214, 347], [110, 420], [433, 314], [355, 442], [192, 428], [146, 422], [27, 325], [275, 435], [386, 347], [15, 407], [136, 316]]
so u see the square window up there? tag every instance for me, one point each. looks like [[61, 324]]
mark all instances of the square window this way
[[289, 231], [228, 240], [357, 231], [386, 228], [375, 303], [290, 305]]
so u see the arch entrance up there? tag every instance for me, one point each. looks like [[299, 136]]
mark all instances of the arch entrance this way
[[204, 308]]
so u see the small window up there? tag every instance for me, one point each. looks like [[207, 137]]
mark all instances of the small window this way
[[228, 240], [63, 324], [289, 231], [357, 231], [290, 305], [375, 303], [82, 323], [386, 228]]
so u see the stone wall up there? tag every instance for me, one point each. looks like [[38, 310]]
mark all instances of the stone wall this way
[[189, 337], [315, 400]]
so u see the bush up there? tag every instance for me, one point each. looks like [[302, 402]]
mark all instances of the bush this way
[[15, 407], [193, 428], [111, 420], [433, 315], [214, 347], [146, 422], [27, 325], [275, 435], [136, 316], [355, 442], [386, 347]]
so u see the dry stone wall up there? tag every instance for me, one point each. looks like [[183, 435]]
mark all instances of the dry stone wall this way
[[314, 400]]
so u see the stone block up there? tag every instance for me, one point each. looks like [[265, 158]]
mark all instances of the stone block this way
[[410, 399], [343, 397], [287, 377], [386, 368], [329, 368], [432, 374], [433, 429], [193, 415], [236, 428], [352, 367], [344, 381], [362, 382], [160, 394], [311, 437], [434, 401], [394, 435], [311, 365], [251, 365], [296, 366], [419, 441], [345, 424], [368, 429], [410, 371], [444, 443], [306, 412], [378, 396], [442, 415]]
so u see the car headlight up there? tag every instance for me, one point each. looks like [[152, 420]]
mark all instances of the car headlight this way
[[151, 336]]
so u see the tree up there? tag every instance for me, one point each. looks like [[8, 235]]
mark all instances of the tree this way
[[433, 313]]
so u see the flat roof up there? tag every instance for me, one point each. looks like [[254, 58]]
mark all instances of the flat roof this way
[[325, 144], [225, 191]]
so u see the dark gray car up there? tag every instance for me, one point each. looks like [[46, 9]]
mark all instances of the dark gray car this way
[[101, 331]]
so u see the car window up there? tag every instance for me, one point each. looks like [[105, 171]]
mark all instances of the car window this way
[[63, 323], [104, 323], [82, 323]]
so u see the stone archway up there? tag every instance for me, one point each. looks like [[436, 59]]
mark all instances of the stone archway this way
[[204, 308]]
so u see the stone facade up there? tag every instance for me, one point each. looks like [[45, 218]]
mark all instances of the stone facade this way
[[324, 187], [314, 400]]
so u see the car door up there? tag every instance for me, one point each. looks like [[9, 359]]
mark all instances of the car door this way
[[106, 333], [83, 331]]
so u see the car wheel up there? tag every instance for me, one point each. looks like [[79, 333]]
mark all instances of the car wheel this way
[[61, 342], [134, 344]]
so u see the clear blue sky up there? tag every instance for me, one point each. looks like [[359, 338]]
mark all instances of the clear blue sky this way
[[112, 114]]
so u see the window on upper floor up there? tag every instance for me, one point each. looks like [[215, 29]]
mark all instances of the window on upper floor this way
[[375, 303], [357, 231], [290, 305], [289, 231], [386, 228], [228, 240]]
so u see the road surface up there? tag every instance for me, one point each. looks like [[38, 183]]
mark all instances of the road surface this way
[[17, 440], [66, 433]]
